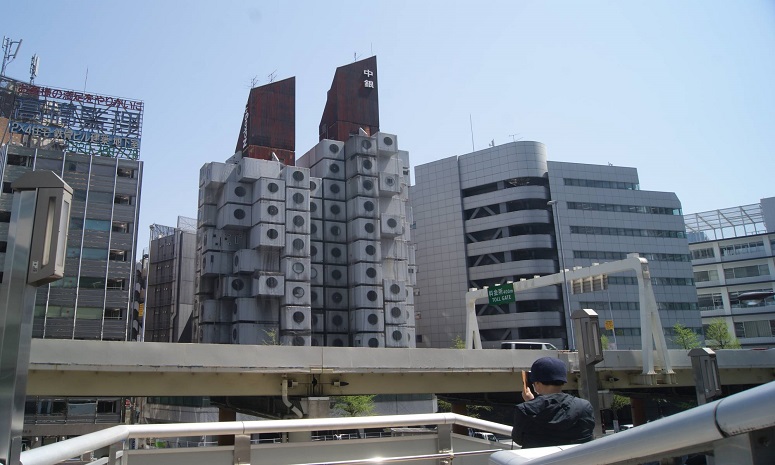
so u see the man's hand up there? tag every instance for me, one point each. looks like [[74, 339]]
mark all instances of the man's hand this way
[[527, 395]]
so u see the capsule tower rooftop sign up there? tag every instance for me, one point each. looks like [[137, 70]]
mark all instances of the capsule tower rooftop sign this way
[[77, 121]]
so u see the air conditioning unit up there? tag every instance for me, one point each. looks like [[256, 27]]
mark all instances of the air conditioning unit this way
[[297, 199], [235, 192], [335, 231], [367, 320], [296, 318], [360, 145], [206, 215], [394, 249], [234, 216], [337, 321], [363, 251], [268, 211], [396, 269], [316, 209], [335, 254], [334, 210], [251, 170], [297, 245], [215, 311], [297, 222], [267, 236], [394, 291], [399, 336], [316, 230], [337, 340], [387, 144], [316, 297], [216, 263], [336, 298], [296, 268], [335, 275], [230, 287], [315, 187], [366, 297], [316, 252], [333, 189], [318, 321], [296, 293], [389, 184], [328, 169], [362, 207], [372, 340], [362, 165], [208, 196], [391, 226], [364, 186], [268, 284], [295, 338], [365, 274], [214, 333], [316, 274], [261, 310], [268, 189], [295, 176], [396, 314], [362, 229], [214, 174]]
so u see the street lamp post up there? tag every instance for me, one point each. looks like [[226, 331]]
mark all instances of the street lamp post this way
[[566, 306]]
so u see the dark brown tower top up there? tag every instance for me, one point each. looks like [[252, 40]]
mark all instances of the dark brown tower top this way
[[353, 101], [269, 124]]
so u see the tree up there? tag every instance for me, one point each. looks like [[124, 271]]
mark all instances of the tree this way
[[355, 406], [685, 337], [604, 342], [458, 342], [618, 403], [717, 336], [471, 410]]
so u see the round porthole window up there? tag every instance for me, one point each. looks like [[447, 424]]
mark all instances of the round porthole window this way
[[337, 320], [272, 187], [335, 188], [372, 296], [390, 181], [271, 282], [338, 343], [371, 250], [334, 168], [272, 210], [372, 319], [313, 250], [240, 191], [391, 222], [368, 206], [237, 285], [366, 144], [337, 298], [395, 312], [298, 268], [369, 227], [387, 141], [373, 342], [333, 148], [335, 209], [336, 252], [314, 296], [336, 274], [236, 260], [371, 272], [298, 221], [298, 197], [298, 317], [367, 165], [239, 213], [395, 288], [368, 185], [298, 292], [336, 230], [272, 234], [298, 244], [313, 272], [298, 176], [313, 207], [313, 228], [298, 341]]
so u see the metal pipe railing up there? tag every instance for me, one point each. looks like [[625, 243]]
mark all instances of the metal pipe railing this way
[[60, 451], [687, 432]]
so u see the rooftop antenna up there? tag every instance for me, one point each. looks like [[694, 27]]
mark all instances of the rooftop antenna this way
[[34, 64], [272, 76], [86, 79], [8, 55], [471, 122], [492, 143], [253, 82], [514, 137], [355, 56]]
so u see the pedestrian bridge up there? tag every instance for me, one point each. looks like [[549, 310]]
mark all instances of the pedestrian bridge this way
[[99, 368]]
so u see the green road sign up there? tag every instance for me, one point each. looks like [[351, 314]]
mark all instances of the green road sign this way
[[503, 294]]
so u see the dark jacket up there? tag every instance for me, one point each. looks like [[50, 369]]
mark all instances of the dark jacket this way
[[553, 420]]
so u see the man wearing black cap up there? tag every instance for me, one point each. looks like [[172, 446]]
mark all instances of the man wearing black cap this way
[[553, 418]]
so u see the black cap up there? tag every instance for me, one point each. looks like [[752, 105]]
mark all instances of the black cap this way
[[548, 369]]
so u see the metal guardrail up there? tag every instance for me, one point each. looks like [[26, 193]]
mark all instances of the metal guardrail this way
[[738, 429], [113, 437]]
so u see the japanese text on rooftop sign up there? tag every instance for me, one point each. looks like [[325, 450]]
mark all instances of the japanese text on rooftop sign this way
[[502, 294], [368, 82]]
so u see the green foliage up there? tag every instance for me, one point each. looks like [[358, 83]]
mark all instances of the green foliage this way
[[619, 402], [604, 341], [271, 335], [458, 342], [355, 406], [717, 336], [685, 337], [472, 411]]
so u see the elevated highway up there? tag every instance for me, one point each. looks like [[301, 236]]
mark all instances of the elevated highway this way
[[99, 368]]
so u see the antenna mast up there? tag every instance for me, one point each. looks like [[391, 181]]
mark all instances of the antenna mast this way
[[34, 64], [8, 55]]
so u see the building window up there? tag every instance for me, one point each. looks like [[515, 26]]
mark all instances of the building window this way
[[601, 184], [79, 195], [606, 231], [710, 301], [746, 272], [125, 173], [741, 249], [91, 283], [5, 217], [88, 313], [19, 160], [705, 276], [116, 284], [3, 246], [609, 207], [90, 253], [121, 226], [7, 189], [112, 313], [761, 328], [100, 197], [699, 254], [123, 199], [118, 255], [96, 225]]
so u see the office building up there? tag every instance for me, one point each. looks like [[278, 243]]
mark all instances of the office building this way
[[92, 142], [485, 218], [733, 255]]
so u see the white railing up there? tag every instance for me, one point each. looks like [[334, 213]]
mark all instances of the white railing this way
[[730, 428], [115, 436]]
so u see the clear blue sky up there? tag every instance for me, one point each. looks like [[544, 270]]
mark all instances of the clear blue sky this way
[[682, 90]]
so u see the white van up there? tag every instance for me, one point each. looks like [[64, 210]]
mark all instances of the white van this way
[[527, 345]]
